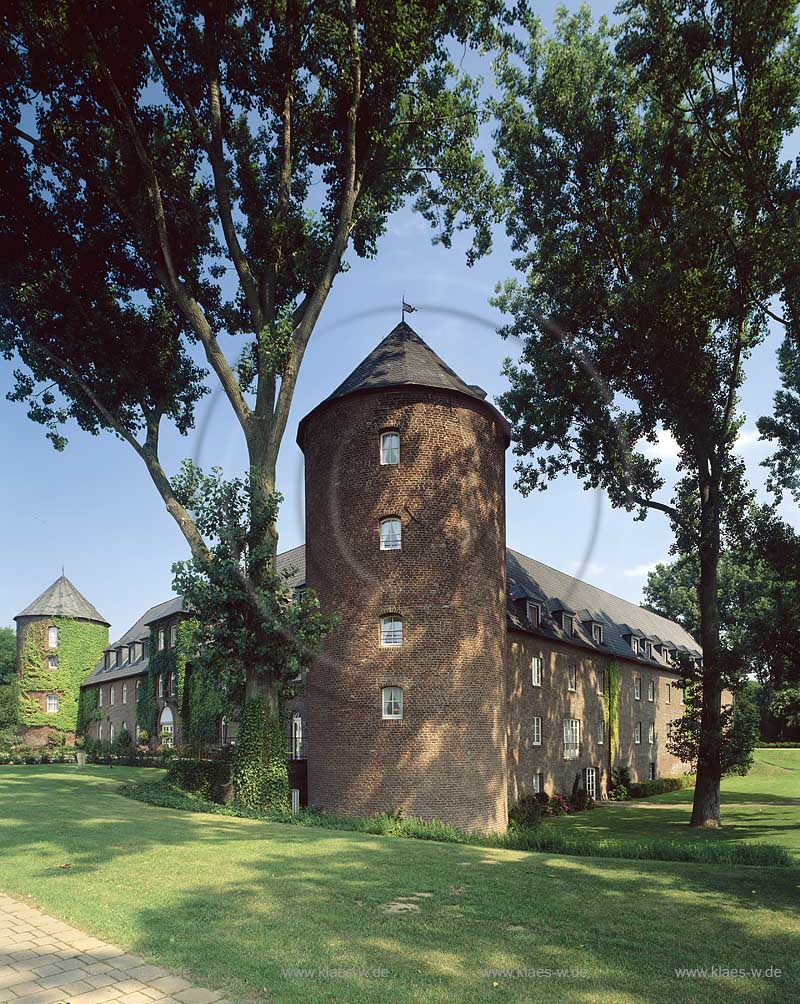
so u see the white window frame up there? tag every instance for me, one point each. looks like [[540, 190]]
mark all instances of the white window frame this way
[[173, 635], [162, 639], [160, 685], [392, 703], [651, 771], [389, 453], [634, 644], [124, 693], [99, 732], [136, 690], [536, 731], [295, 734], [536, 671], [52, 636], [651, 691], [637, 688], [590, 781], [52, 699], [533, 613], [572, 678], [601, 732], [572, 738], [111, 696], [637, 733], [52, 662], [99, 697], [597, 633], [111, 732], [391, 534], [651, 733], [537, 783], [668, 698], [391, 634]]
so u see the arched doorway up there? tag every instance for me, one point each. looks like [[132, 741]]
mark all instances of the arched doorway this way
[[166, 728]]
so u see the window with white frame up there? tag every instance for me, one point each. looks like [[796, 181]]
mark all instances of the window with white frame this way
[[52, 704], [100, 731], [52, 662], [392, 702], [668, 693], [111, 696], [536, 671], [634, 644], [637, 688], [138, 684], [390, 448], [173, 635], [167, 727], [601, 732], [536, 731], [391, 630], [651, 690], [132, 652], [572, 738], [647, 649], [534, 613], [159, 685], [637, 733], [391, 534], [52, 637], [162, 639], [567, 624], [99, 697], [124, 693], [590, 781], [295, 736], [651, 771], [537, 783], [111, 732], [651, 733], [601, 681], [572, 677], [597, 634]]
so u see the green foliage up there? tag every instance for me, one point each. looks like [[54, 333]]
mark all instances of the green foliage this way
[[527, 812], [88, 711], [260, 771], [546, 838], [739, 729], [80, 647], [783, 427], [643, 789], [123, 745], [209, 779], [619, 788], [146, 703], [612, 697], [171, 659], [8, 655]]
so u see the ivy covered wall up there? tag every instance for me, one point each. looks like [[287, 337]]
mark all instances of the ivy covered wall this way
[[613, 676], [169, 660], [80, 648]]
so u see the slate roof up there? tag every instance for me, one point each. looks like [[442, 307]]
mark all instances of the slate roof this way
[[555, 590], [62, 599], [404, 359]]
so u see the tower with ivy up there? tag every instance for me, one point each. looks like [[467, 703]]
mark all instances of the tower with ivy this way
[[60, 639]]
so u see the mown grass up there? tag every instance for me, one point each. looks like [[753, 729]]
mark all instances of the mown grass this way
[[548, 838], [239, 903]]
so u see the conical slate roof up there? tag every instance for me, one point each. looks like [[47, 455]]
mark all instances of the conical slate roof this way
[[62, 599], [404, 359]]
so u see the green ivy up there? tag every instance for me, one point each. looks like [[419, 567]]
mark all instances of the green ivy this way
[[260, 769], [88, 711], [613, 677], [80, 648], [173, 660], [207, 704]]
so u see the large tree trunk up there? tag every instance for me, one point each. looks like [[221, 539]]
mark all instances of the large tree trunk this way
[[706, 805]]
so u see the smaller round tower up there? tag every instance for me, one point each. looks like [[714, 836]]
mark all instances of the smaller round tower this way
[[60, 639]]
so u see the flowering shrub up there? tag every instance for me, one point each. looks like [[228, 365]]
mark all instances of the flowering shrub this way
[[558, 806]]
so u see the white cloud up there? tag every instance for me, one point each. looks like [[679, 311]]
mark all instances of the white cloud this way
[[665, 447], [639, 571], [747, 438], [586, 568]]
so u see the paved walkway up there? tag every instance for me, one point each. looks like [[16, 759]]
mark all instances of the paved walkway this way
[[43, 961]]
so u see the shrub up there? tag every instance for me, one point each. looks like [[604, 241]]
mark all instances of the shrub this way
[[558, 805], [527, 812], [778, 746], [642, 789], [208, 778], [581, 801]]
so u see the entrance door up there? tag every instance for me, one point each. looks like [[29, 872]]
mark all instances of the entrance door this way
[[591, 782]]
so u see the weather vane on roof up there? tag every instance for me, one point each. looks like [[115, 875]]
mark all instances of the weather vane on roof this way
[[406, 308]]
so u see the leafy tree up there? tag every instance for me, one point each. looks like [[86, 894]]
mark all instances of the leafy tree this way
[[8, 655], [181, 183], [646, 269], [783, 426]]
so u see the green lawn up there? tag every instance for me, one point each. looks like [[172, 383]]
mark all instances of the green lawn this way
[[236, 902], [761, 807]]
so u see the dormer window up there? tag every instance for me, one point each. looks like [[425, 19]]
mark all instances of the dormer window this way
[[132, 652], [567, 622], [145, 648], [647, 650], [533, 612], [391, 534], [120, 659], [634, 644], [112, 659], [390, 448], [597, 634]]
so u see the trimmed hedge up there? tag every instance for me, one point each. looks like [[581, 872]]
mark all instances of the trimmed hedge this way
[[778, 746], [643, 789], [547, 838], [210, 779]]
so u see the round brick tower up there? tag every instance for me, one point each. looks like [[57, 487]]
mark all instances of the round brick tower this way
[[60, 640], [405, 542]]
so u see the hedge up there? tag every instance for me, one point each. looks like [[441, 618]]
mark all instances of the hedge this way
[[642, 789], [778, 746], [210, 779]]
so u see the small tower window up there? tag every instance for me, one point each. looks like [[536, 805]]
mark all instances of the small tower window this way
[[391, 534], [572, 678], [392, 702], [52, 662], [52, 637], [391, 630], [390, 448], [52, 704]]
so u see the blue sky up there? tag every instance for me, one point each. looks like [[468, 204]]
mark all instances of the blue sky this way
[[94, 510]]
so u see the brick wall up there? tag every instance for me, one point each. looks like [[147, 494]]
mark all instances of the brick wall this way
[[553, 702], [120, 712], [446, 757]]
